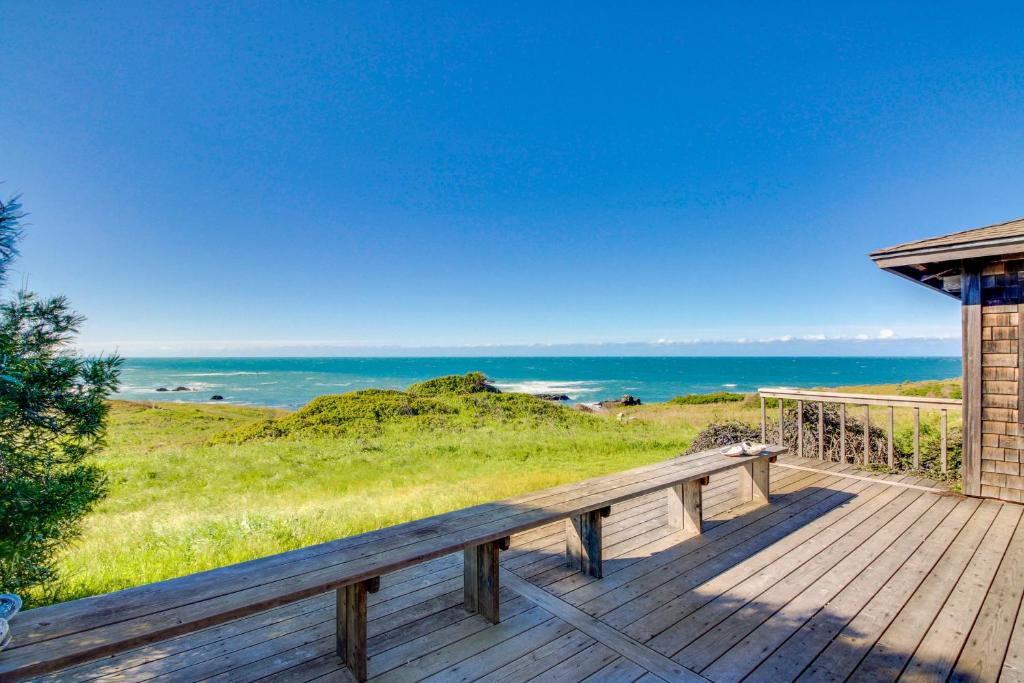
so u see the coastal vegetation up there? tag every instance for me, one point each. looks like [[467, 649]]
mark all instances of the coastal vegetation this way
[[714, 397], [198, 486]]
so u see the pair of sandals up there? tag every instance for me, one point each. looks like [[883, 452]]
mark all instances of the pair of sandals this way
[[10, 604], [744, 448]]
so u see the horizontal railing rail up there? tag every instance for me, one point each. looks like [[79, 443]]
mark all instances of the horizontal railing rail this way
[[915, 403]]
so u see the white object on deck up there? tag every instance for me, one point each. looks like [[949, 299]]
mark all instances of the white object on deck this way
[[744, 448]]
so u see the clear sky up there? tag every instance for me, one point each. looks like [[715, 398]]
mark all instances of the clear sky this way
[[216, 177]]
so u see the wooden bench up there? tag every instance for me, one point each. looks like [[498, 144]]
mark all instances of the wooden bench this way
[[51, 638]]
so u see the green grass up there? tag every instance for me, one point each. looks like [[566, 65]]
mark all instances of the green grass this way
[[179, 503], [716, 397], [196, 487]]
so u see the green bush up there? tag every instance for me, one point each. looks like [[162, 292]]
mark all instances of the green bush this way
[[939, 389], [931, 449], [701, 399], [449, 403], [470, 383]]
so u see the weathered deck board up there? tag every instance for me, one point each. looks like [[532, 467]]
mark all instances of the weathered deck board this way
[[877, 559], [894, 570], [837, 576], [894, 648]]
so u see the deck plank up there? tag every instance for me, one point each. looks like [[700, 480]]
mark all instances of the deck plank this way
[[502, 654], [942, 644], [404, 670], [622, 600], [706, 633], [882, 554], [540, 660], [888, 656], [888, 578], [579, 666], [647, 617], [619, 671]]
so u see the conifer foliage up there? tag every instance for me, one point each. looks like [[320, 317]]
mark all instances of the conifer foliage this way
[[53, 408]]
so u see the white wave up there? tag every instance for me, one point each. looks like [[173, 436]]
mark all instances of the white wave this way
[[154, 389], [730, 385], [569, 388], [221, 374]]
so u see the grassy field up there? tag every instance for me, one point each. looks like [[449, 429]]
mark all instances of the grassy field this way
[[183, 498]]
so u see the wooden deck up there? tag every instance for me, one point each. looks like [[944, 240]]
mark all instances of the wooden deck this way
[[844, 576]]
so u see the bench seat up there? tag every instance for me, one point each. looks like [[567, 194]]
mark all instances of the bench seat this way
[[51, 638]]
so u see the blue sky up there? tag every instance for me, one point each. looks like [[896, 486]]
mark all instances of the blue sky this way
[[225, 178]]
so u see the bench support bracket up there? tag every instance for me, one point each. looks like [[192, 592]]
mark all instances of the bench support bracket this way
[[583, 542], [753, 485], [480, 578], [685, 505], [351, 603]]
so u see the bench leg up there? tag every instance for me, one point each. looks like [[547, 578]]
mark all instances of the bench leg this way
[[685, 505], [583, 542], [350, 616], [480, 578], [753, 484]]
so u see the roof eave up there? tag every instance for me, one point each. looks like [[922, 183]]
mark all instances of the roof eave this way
[[939, 254], [914, 275]]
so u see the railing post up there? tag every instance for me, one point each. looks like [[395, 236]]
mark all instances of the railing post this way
[[764, 421], [842, 432], [800, 428], [890, 435], [867, 435], [851, 452], [782, 418], [944, 425], [917, 438], [821, 430]]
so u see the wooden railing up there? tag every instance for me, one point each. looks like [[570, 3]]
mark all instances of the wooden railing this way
[[915, 403]]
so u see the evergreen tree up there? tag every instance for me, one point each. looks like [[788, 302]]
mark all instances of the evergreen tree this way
[[53, 408]]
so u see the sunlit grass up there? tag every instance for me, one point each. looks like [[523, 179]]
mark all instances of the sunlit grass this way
[[178, 505]]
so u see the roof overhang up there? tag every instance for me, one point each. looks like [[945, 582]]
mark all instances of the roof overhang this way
[[938, 262]]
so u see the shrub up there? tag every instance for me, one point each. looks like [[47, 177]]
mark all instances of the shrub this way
[[336, 414], [452, 402], [723, 434], [903, 445], [940, 389], [470, 383], [701, 399], [931, 448]]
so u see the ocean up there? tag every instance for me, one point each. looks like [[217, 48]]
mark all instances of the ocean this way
[[292, 382]]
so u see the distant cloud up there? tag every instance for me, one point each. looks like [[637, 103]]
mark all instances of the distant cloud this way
[[884, 342]]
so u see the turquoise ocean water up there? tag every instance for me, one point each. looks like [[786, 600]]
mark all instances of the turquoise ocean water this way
[[291, 382]]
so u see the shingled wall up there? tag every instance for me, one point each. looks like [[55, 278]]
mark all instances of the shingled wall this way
[[1002, 433]]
